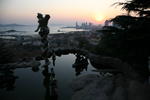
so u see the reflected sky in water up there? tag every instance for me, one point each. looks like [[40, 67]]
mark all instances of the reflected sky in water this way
[[32, 85]]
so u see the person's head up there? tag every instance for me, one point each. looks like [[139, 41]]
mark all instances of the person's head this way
[[47, 17], [39, 15]]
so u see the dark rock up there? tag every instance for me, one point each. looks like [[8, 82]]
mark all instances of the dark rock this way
[[117, 87]]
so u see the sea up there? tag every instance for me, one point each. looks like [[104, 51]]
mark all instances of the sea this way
[[29, 29]]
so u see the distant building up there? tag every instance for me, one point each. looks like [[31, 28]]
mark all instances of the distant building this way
[[77, 26], [90, 24], [84, 25]]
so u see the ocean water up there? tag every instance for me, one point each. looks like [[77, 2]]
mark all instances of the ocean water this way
[[29, 30]]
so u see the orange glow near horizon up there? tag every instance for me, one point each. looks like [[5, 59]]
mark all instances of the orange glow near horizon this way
[[99, 18], [61, 11]]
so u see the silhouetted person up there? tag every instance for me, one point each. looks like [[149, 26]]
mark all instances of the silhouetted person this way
[[43, 26], [78, 70], [43, 32], [78, 58], [40, 21], [45, 53], [53, 58], [46, 82], [49, 83], [80, 64], [85, 63], [52, 74], [54, 94]]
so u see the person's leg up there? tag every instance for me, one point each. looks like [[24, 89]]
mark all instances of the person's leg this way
[[45, 41]]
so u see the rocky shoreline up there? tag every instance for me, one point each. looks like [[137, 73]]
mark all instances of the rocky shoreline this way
[[122, 84], [116, 87]]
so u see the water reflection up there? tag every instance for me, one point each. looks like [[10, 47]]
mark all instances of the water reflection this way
[[48, 79], [35, 68], [80, 64], [53, 58], [49, 82], [7, 79]]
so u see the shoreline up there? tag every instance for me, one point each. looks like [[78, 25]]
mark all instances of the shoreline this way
[[122, 81]]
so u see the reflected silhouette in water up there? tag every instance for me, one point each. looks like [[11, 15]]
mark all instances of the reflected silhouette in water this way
[[53, 85], [45, 53], [80, 64], [7, 79], [53, 57], [35, 69], [50, 83], [49, 80]]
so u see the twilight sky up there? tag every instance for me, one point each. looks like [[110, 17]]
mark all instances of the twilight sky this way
[[65, 12]]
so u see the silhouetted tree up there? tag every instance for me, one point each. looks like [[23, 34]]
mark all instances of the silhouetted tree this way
[[130, 41], [140, 7]]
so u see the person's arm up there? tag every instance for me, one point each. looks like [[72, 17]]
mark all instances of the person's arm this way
[[37, 28]]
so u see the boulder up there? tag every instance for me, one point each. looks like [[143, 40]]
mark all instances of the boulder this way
[[92, 87], [20, 64], [117, 87]]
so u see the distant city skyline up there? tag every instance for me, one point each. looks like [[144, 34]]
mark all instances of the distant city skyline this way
[[65, 12]]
